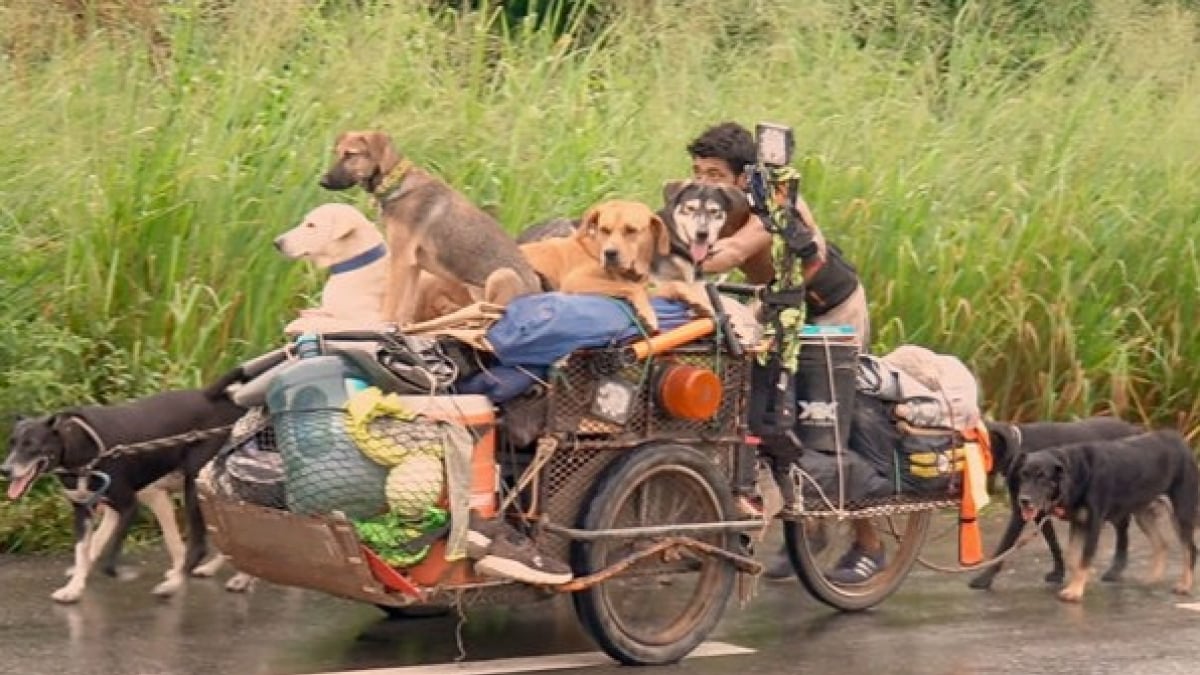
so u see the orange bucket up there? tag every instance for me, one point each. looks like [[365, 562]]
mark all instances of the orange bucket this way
[[689, 392]]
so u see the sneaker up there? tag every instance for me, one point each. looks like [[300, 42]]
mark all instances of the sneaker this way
[[512, 555], [480, 533], [857, 566]]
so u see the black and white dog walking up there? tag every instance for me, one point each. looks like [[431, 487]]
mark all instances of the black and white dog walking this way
[[110, 457]]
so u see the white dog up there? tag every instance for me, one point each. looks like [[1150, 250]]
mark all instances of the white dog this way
[[338, 237]]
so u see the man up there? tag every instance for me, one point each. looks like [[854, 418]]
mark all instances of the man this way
[[833, 295]]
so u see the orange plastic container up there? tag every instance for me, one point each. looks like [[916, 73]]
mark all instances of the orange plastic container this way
[[689, 392], [476, 413]]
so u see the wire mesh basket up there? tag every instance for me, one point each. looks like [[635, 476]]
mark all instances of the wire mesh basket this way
[[580, 381], [385, 465]]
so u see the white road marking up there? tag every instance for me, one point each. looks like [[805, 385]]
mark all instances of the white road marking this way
[[533, 664], [1194, 606]]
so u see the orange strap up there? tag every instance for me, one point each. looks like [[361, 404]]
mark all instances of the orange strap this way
[[970, 541]]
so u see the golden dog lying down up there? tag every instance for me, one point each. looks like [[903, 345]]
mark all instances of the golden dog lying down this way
[[612, 253]]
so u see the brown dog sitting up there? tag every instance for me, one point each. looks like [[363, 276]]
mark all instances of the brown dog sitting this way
[[430, 227], [611, 253]]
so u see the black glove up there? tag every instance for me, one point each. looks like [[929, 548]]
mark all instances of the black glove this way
[[801, 239]]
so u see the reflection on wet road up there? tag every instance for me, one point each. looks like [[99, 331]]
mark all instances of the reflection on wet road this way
[[933, 625]]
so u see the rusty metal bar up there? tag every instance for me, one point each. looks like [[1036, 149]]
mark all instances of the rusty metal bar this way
[[742, 563], [655, 530]]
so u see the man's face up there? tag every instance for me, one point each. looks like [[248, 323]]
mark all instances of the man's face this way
[[713, 171]]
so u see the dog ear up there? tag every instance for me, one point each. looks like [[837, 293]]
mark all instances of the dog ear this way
[[672, 188], [341, 227], [589, 223], [586, 232], [737, 212], [381, 149], [662, 236], [1070, 475]]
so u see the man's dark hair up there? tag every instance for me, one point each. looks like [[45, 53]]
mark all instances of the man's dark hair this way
[[728, 141]]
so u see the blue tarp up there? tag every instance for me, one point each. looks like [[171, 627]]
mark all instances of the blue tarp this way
[[538, 330]]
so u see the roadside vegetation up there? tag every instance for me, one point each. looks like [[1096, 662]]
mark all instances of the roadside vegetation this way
[[1018, 182]]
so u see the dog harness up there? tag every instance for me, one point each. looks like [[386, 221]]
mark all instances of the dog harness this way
[[359, 261], [81, 495]]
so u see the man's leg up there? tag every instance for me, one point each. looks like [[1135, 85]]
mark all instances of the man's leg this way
[[866, 556]]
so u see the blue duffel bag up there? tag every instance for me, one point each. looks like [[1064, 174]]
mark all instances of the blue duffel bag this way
[[539, 329]]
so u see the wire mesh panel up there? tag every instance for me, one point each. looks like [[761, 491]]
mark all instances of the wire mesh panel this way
[[580, 386]]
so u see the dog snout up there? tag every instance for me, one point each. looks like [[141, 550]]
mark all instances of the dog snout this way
[[337, 178], [611, 257], [5, 471], [279, 244], [1025, 501]]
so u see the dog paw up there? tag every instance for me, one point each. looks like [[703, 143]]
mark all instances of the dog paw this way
[[240, 583], [209, 568], [1112, 576], [1181, 589], [1055, 577], [169, 586], [1070, 595], [68, 594]]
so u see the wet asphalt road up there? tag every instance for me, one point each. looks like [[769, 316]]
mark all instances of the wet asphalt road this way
[[933, 625]]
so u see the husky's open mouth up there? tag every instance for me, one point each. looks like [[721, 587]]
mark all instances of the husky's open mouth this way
[[22, 478], [699, 251]]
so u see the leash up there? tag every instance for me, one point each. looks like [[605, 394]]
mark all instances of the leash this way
[[89, 470], [1024, 539]]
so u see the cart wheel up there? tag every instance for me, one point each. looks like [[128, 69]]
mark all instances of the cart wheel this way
[[815, 553], [660, 609], [414, 611]]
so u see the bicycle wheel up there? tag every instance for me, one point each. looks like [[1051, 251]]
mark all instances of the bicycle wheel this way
[[814, 552], [661, 608]]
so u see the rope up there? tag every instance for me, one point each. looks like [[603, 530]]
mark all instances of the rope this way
[[990, 562], [546, 445]]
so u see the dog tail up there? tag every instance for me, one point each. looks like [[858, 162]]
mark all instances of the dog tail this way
[[244, 372], [216, 390]]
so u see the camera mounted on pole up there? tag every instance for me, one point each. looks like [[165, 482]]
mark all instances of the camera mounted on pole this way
[[772, 189]]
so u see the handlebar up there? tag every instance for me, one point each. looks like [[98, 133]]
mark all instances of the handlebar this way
[[359, 335], [740, 289]]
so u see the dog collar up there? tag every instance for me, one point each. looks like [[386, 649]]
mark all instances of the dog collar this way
[[391, 182], [359, 261]]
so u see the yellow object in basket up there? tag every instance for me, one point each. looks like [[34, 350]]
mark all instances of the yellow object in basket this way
[[362, 409], [414, 485]]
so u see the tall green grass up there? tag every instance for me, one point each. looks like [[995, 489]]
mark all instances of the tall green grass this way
[[1017, 189]]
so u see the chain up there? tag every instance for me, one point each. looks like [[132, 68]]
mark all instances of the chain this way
[[124, 449]]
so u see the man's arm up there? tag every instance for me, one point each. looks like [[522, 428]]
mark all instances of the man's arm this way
[[731, 251]]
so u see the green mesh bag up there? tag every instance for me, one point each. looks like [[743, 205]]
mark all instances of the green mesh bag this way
[[324, 469], [401, 542]]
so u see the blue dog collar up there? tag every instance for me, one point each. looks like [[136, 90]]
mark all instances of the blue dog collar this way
[[359, 261]]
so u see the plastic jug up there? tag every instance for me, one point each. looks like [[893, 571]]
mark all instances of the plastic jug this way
[[314, 381]]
